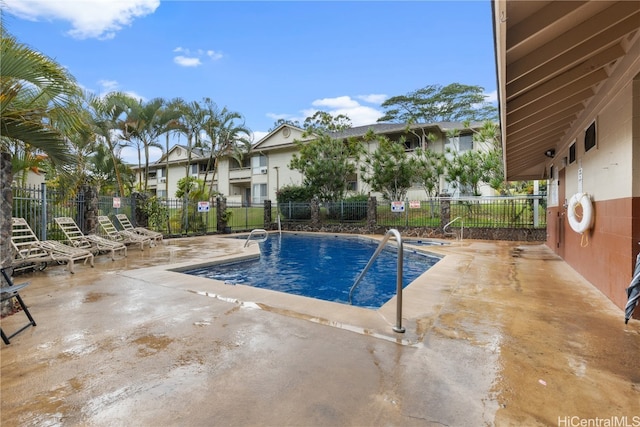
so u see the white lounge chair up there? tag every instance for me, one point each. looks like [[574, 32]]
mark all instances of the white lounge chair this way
[[91, 242], [122, 236], [128, 226], [29, 250]]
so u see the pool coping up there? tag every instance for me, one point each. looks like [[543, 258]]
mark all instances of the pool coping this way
[[422, 299]]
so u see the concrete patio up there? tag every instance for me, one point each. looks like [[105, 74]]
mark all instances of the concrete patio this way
[[497, 333]]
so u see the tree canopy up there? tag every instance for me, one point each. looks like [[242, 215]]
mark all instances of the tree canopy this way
[[39, 101], [325, 164], [435, 103], [388, 170]]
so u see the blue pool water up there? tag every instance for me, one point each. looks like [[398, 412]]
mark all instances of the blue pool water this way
[[323, 267]]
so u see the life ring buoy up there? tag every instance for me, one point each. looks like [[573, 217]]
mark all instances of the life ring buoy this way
[[586, 221]]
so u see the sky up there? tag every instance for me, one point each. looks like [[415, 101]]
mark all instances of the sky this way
[[266, 60]]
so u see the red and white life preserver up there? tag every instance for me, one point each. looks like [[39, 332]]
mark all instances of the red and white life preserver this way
[[580, 225]]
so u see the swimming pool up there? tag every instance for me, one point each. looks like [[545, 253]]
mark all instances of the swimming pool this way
[[323, 267]]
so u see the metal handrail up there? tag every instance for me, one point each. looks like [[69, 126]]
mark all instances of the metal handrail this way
[[279, 225], [256, 230], [396, 234], [444, 229]]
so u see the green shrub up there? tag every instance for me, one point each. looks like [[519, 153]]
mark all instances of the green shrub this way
[[293, 202], [293, 193], [352, 208]]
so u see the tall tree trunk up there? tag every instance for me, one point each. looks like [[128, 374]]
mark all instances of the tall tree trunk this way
[[116, 166], [146, 166], [166, 170], [139, 169], [6, 208]]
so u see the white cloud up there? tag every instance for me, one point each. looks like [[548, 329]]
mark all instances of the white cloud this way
[[491, 96], [373, 98], [258, 135], [360, 115], [277, 117], [99, 19], [108, 85], [214, 55], [130, 155], [186, 61], [135, 95], [191, 58], [338, 102]]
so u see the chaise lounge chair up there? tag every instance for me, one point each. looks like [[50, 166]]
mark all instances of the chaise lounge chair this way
[[91, 242], [122, 236], [128, 226], [29, 250]]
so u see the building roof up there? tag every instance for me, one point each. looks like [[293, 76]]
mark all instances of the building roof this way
[[387, 128], [555, 61]]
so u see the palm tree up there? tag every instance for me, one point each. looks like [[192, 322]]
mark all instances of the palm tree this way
[[38, 102], [82, 144], [225, 136], [107, 117], [193, 119], [145, 123], [36, 93], [175, 126]]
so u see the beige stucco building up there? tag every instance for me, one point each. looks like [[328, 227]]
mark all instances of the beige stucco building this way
[[266, 168], [569, 95]]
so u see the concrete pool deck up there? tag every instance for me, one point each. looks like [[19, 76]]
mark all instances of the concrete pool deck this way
[[497, 333]]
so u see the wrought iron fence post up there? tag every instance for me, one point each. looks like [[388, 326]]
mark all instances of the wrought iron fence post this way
[[134, 213], [43, 217], [372, 213], [406, 211], [185, 210], [536, 203], [315, 212], [267, 215], [445, 209]]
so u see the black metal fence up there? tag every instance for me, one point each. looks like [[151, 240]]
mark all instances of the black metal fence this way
[[485, 212], [40, 205], [178, 217]]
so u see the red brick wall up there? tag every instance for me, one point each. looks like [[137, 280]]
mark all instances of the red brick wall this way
[[605, 255]]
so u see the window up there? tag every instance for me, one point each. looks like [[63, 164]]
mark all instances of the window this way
[[162, 194], [259, 165], [352, 183], [194, 169], [234, 164], [259, 193], [161, 173], [572, 152], [411, 143], [590, 137], [465, 142]]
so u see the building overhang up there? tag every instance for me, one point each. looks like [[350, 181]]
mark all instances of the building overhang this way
[[555, 60]]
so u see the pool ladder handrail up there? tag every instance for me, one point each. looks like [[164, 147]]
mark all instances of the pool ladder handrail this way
[[256, 230], [396, 234], [279, 225], [444, 229]]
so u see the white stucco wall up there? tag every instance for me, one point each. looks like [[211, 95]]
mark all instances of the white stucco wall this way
[[606, 168]]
